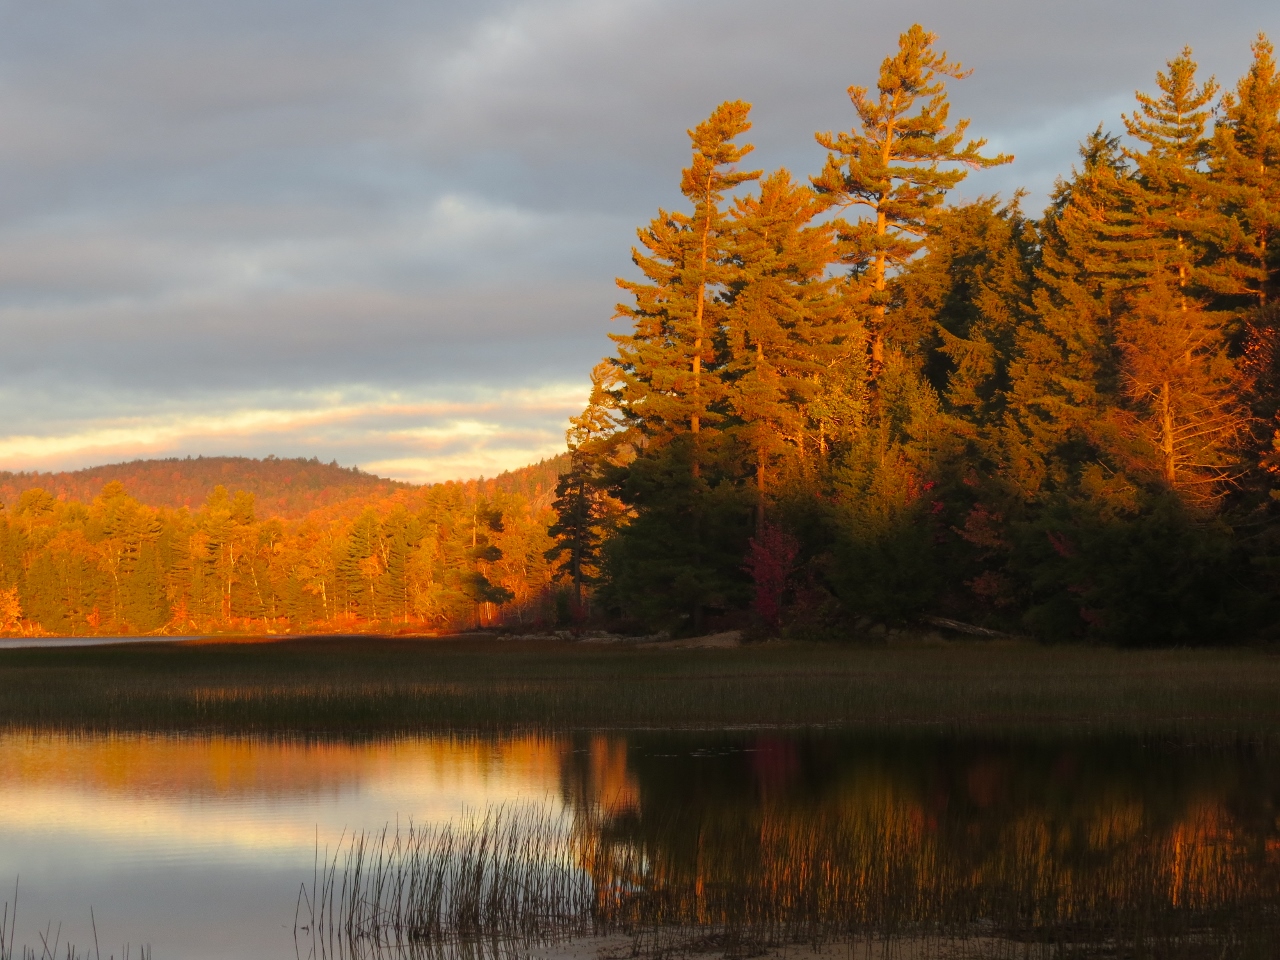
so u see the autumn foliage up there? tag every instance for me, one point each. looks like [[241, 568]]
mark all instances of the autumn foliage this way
[[442, 557], [1059, 426]]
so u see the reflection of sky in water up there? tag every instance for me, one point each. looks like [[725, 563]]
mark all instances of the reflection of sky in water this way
[[197, 844]]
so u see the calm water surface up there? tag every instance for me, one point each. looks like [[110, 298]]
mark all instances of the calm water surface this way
[[198, 845]]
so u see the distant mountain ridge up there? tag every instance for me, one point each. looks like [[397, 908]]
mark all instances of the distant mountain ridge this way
[[285, 488]]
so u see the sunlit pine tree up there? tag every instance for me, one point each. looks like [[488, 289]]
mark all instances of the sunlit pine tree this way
[[1245, 165], [787, 327], [1184, 389], [896, 167], [670, 368]]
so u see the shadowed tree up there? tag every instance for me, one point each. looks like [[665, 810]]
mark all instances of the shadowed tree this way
[[1064, 378], [576, 528]]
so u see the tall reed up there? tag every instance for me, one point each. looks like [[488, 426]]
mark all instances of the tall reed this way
[[486, 885]]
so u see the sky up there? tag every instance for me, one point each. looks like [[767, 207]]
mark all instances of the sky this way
[[386, 233]]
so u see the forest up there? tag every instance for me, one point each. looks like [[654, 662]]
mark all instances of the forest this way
[[389, 556], [849, 399], [835, 401]]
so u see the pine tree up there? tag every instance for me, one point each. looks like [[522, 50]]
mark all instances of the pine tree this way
[[669, 366], [1184, 390], [897, 167], [1064, 379], [786, 326], [577, 527], [1178, 217], [1246, 166], [967, 298]]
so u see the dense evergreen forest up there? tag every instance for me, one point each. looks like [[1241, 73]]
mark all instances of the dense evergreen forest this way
[[376, 554], [848, 397]]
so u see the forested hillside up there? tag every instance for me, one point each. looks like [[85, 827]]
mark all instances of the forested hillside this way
[[846, 396], [288, 489], [282, 488], [377, 554]]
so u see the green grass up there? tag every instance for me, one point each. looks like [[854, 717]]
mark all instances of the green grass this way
[[368, 685]]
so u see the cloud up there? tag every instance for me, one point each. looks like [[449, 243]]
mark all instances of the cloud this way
[[205, 204], [415, 438]]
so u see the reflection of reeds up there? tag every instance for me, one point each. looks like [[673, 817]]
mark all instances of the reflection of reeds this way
[[877, 875]]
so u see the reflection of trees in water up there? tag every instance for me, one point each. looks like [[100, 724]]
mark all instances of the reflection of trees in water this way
[[815, 839], [1122, 849]]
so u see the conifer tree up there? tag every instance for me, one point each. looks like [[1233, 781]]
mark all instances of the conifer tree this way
[[786, 326], [669, 365], [1246, 165], [1178, 217], [1063, 378], [1184, 390], [896, 167], [1246, 168], [968, 297], [576, 528]]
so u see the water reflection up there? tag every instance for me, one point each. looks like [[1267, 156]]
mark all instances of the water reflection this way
[[199, 844], [1100, 844]]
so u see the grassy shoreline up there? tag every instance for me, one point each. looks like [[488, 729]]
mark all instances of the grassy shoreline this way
[[373, 686]]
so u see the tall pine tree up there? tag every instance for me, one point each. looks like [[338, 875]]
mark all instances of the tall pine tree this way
[[669, 366], [787, 328], [1246, 167], [896, 167], [1183, 388]]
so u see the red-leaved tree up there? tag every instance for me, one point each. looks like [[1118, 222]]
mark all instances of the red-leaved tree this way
[[770, 561]]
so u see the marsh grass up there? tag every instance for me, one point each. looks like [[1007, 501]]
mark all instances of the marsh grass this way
[[496, 887], [372, 686]]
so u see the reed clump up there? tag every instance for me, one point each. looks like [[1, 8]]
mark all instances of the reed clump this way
[[487, 886]]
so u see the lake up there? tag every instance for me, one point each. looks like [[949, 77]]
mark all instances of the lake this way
[[199, 844]]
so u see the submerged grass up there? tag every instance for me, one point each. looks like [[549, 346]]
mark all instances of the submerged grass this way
[[371, 686]]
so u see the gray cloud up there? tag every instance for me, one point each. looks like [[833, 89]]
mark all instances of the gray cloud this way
[[202, 204]]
